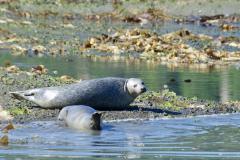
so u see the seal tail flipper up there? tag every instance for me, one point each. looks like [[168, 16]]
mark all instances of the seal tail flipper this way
[[96, 121], [22, 95]]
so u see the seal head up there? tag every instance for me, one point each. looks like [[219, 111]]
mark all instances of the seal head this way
[[135, 87], [80, 117]]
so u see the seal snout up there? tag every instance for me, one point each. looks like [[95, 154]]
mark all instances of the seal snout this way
[[96, 121], [144, 89]]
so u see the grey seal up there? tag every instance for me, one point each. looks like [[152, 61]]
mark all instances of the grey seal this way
[[80, 117], [110, 93]]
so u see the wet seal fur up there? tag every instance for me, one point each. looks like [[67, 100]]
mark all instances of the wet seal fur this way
[[110, 93], [80, 117]]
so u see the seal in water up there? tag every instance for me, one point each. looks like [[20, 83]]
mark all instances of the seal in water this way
[[80, 117], [108, 93]]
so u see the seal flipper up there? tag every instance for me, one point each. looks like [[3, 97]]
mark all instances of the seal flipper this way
[[96, 121], [22, 95]]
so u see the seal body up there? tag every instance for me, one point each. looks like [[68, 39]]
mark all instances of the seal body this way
[[80, 117], [102, 94]]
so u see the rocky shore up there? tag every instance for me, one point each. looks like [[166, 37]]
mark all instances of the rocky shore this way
[[128, 29]]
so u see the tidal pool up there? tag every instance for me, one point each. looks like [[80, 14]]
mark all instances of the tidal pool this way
[[205, 82], [206, 137]]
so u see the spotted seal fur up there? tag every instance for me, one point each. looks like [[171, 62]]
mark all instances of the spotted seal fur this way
[[108, 93]]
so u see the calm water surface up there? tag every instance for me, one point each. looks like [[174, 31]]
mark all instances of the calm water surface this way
[[211, 137]]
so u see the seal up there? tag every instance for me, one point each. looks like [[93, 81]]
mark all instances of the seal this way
[[80, 117], [110, 93]]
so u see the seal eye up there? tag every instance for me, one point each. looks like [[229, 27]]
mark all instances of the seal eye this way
[[142, 83], [135, 85]]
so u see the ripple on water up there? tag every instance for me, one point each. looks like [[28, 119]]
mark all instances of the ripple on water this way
[[214, 137]]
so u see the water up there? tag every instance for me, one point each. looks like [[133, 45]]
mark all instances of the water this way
[[209, 137], [215, 83]]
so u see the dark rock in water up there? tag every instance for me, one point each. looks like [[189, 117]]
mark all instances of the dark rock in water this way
[[207, 18], [188, 80], [172, 80]]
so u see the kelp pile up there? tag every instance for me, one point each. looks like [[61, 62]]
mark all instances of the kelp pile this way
[[39, 28], [172, 47]]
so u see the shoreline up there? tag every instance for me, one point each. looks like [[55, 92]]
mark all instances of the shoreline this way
[[150, 105]]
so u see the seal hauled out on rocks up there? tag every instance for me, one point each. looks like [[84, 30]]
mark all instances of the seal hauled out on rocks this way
[[80, 117], [109, 93]]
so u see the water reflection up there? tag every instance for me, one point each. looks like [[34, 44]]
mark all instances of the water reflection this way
[[206, 81]]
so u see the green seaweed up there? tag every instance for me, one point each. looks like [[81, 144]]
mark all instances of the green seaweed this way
[[16, 111], [166, 99]]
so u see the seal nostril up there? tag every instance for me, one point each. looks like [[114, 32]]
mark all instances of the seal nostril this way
[[143, 89]]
